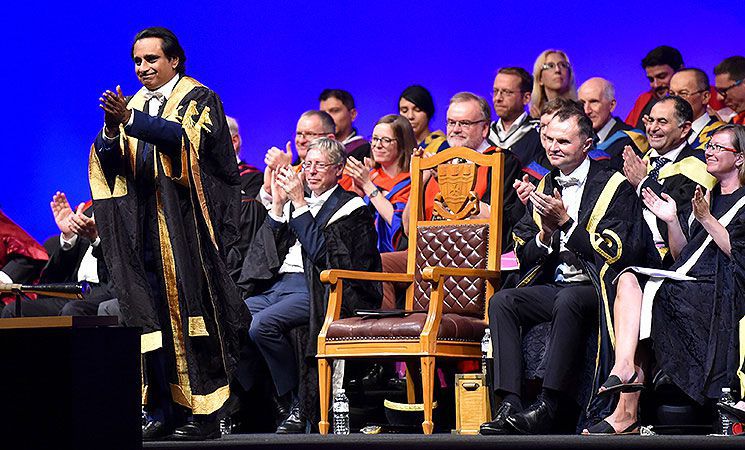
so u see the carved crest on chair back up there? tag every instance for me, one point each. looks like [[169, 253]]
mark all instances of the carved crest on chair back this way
[[456, 199]]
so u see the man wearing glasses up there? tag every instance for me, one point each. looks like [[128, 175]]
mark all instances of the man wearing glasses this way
[[302, 236], [692, 85], [730, 86], [671, 168], [311, 125]]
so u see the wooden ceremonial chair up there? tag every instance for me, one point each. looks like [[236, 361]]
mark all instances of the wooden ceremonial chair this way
[[452, 270]]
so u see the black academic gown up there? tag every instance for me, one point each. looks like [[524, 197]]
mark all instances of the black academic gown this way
[[610, 235], [680, 180], [166, 196], [618, 138], [347, 243], [695, 323]]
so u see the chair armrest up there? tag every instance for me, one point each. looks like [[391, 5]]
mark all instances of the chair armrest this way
[[435, 273], [331, 276]]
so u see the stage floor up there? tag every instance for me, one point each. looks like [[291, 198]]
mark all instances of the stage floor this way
[[447, 441]]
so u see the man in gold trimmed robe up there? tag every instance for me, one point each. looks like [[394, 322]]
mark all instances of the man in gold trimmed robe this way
[[583, 225], [166, 194]]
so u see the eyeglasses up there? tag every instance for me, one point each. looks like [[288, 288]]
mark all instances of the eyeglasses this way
[[309, 134], [504, 92], [383, 141], [552, 65], [464, 124], [723, 91], [320, 167], [716, 148], [685, 94]]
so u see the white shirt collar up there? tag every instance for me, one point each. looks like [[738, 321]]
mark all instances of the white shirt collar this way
[[484, 145], [672, 155], [580, 172], [325, 196], [605, 130], [697, 126], [515, 124], [166, 89]]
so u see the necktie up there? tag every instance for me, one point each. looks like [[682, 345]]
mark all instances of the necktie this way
[[657, 164]]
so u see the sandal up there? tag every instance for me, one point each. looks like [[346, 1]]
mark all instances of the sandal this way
[[614, 384], [604, 428]]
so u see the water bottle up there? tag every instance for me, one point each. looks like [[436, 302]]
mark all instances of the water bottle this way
[[486, 351], [226, 426], [341, 413], [724, 420]]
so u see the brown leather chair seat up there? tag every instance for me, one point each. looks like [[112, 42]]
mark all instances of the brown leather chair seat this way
[[452, 327]]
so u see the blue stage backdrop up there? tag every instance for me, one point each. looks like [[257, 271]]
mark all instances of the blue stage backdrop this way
[[269, 60]]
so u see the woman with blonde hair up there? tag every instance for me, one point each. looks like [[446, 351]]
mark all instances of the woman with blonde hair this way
[[554, 77]]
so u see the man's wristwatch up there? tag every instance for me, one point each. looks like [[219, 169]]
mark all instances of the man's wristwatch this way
[[374, 192]]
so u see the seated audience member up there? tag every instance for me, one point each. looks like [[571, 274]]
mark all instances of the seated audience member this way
[[581, 228], [468, 120], [416, 104], [251, 177], [339, 104], [311, 125], [301, 237], [553, 77], [693, 321], [660, 64], [598, 97], [75, 255], [387, 185], [692, 85], [730, 86], [515, 130], [21, 257], [671, 165]]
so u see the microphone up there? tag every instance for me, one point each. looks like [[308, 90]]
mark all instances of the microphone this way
[[62, 290]]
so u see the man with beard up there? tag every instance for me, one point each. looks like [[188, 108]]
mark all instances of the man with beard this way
[[660, 64]]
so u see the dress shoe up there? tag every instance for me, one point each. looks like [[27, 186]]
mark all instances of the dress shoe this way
[[374, 377], [281, 407], [197, 430], [498, 425], [538, 419], [294, 423], [155, 430]]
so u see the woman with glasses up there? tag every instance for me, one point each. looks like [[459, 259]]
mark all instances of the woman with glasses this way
[[692, 312], [553, 77], [384, 181], [416, 104]]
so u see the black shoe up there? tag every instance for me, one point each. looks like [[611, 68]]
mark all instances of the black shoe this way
[[295, 422], [498, 426], [737, 413], [197, 430], [281, 406], [374, 377], [155, 430], [538, 419]]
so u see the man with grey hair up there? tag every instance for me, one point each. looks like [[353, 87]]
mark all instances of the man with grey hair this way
[[302, 236], [598, 98], [251, 177], [692, 85], [311, 125]]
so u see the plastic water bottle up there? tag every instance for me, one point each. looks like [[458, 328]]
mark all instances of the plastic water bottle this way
[[724, 420], [341, 413], [485, 353], [226, 426]]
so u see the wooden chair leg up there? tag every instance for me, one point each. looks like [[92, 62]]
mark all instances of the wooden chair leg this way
[[324, 382], [428, 379]]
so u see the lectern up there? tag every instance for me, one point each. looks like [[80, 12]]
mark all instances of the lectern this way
[[69, 382]]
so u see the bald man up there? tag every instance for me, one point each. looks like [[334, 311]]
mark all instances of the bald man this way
[[692, 85], [598, 97]]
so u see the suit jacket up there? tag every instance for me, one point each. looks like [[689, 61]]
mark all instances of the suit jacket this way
[[63, 266]]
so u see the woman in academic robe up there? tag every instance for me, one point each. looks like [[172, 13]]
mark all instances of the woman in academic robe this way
[[384, 181], [695, 308], [416, 104]]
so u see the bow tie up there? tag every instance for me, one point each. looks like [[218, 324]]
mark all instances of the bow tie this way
[[154, 94], [567, 181]]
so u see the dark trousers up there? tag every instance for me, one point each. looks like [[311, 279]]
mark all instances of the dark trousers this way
[[567, 306], [41, 307], [284, 306]]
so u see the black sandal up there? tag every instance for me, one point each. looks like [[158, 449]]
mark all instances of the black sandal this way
[[614, 384], [603, 428]]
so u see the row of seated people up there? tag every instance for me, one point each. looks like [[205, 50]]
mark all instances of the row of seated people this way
[[380, 180]]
